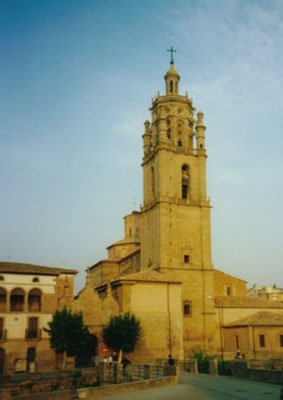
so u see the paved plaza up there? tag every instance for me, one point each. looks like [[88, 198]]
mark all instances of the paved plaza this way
[[205, 387]]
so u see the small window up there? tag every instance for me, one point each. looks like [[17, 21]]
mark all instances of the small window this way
[[1, 278], [200, 146], [261, 341], [229, 291], [186, 258], [179, 143], [171, 86], [35, 280], [187, 309], [281, 340], [130, 232]]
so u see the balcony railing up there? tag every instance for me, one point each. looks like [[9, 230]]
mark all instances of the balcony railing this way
[[33, 334], [3, 335], [17, 306], [34, 307]]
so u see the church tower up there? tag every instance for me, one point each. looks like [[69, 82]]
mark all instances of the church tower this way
[[175, 235]]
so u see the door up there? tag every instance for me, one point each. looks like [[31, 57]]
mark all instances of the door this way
[[2, 360]]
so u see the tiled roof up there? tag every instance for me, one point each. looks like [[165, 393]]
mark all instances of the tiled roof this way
[[124, 242], [19, 268], [245, 302], [262, 318], [230, 276], [148, 276]]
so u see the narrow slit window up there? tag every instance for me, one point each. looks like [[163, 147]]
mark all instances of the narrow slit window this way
[[185, 181], [237, 342], [152, 181]]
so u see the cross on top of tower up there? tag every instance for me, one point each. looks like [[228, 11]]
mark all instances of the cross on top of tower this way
[[171, 57]]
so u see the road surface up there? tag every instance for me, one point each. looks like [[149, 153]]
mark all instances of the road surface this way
[[205, 387]]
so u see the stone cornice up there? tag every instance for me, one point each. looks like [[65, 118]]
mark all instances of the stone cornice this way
[[176, 201]]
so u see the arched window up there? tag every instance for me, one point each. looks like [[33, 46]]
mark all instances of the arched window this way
[[185, 181], [17, 300], [34, 300], [3, 299], [35, 279], [171, 86]]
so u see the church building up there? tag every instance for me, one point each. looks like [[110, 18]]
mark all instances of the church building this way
[[161, 270]]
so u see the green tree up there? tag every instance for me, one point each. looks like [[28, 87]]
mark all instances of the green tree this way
[[122, 333], [67, 333]]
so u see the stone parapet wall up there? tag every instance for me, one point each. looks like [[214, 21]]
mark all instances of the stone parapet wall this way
[[36, 383], [45, 386], [241, 370]]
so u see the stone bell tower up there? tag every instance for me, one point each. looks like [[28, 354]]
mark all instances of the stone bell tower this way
[[175, 234]]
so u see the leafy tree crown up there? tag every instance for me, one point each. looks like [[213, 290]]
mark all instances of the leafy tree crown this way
[[122, 332], [67, 332]]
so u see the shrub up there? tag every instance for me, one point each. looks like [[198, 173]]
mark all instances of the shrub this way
[[202, 360]]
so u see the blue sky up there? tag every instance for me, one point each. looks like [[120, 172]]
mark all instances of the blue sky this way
[[76, 81]]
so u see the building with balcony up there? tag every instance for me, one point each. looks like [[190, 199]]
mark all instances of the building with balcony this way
[[29, 296]]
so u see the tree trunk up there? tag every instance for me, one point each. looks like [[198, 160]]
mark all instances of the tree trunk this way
[[64, 359], [120, 356]]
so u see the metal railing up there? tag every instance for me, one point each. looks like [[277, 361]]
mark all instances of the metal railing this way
[[33, 334], [3, 335], [115, 372]]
